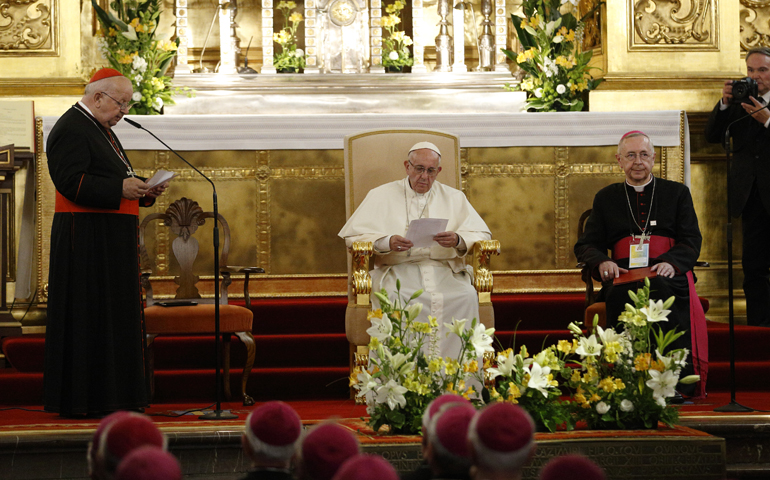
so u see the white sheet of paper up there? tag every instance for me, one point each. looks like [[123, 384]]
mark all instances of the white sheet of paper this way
[[422, 230], [160, 177]]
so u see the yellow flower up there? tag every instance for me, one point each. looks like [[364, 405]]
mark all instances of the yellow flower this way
[[374, 314], [451, 366], [435, 365], [595, 398], [471, 367], [580, 398], [642, 362], [354, 376], [619, 384], [374, 342], [432, 321], [591, 374], [607, 384], [575, 376], [551, 381], [282, 37], [513, 392], [467, 394], [126, 59], [295, 17], [564, 346], [157, 83], [112, 32], [657, 365]]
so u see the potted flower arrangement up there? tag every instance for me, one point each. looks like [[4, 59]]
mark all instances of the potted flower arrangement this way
[[290, 58], [406, 371], [556, 70], [395, 47], [130, 44], [529, 382], [626, 378]]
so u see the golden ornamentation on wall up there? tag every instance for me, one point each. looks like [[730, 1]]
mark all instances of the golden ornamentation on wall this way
[[592, 31], [28, 27], [674, 24], [755, 24]]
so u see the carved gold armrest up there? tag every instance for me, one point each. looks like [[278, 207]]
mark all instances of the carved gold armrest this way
[[360, 253], [482, 251]]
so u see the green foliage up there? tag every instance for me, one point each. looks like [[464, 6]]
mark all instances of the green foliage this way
[[130, 45], [395, 45], [556, 71], [290, 57]]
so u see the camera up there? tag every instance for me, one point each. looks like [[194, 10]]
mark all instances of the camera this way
[[743, 89]]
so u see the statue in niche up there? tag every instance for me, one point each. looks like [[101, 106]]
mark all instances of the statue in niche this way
[[344, 36]]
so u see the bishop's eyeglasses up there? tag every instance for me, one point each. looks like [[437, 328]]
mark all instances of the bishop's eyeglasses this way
[[643, 156], [123, 106]]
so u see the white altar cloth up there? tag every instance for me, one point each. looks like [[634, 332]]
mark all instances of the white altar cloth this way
[[300, 132], [324, 132]]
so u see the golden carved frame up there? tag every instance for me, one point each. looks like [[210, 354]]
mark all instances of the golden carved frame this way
[[655, 25], [12, 36]]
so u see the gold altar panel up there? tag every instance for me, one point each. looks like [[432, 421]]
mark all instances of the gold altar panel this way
[[509, 155], [303, 158], [754, 21], [520, 213], [306, 215], [674, 25]]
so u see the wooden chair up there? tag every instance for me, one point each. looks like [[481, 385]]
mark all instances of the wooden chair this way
[[374, 158], [183, 217], [599, 308]]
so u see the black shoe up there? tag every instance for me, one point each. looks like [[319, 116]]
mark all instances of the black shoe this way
[[677, 399]]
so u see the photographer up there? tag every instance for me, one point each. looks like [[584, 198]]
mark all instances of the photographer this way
[[750, 174]]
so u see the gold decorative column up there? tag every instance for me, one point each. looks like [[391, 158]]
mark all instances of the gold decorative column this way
[[267, 37]]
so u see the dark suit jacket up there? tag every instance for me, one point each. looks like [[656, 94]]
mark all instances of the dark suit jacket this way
[[751, 155]]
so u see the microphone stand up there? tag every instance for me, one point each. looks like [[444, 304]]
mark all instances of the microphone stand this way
[[218, 413], [733, 406]]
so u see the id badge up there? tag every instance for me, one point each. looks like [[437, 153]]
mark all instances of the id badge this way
[[639, 255]]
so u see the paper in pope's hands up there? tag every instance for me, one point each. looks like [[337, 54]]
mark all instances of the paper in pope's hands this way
[[160, 177], [422, 230]]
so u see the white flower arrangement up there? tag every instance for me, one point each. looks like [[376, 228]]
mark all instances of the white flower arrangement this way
[[406, 371]]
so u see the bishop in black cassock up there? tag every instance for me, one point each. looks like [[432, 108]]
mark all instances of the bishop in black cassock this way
[[662, 209], [94, 349]]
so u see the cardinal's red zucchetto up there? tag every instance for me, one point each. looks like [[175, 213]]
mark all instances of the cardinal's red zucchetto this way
[[105, 73]]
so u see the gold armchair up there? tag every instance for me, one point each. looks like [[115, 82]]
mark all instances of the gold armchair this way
[[371, 159]]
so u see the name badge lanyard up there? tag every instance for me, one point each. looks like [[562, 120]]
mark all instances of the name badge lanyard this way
[[639, 254]]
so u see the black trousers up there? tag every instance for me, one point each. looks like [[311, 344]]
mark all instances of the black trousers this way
[[756, 260]]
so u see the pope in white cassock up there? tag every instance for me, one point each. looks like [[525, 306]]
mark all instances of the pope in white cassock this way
[[439, 270]]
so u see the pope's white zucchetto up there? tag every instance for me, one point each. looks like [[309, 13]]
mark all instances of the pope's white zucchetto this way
[[428, 145]]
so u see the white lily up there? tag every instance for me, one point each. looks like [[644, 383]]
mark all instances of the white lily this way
[[481, 339], [366, 384], [589, 347], [381, 328], [538, 378], [505, 366], [392, 394], [457, 326], [662, 385], [413, 310], [655, 311], [130, 34]]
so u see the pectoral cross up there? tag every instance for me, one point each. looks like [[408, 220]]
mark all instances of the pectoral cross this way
[[642, 238]]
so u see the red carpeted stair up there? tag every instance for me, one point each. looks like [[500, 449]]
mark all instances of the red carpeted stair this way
[[302, 352]]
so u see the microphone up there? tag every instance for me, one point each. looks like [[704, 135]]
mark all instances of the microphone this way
[[139, 126], [729, 125], [218, 414]]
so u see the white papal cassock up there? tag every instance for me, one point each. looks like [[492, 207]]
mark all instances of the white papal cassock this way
[[441, 273]]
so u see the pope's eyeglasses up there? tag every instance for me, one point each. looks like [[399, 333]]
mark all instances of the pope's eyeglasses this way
[[123, 106], [419, 169]]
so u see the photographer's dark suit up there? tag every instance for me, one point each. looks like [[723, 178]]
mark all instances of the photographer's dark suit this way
[[750, 197]]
